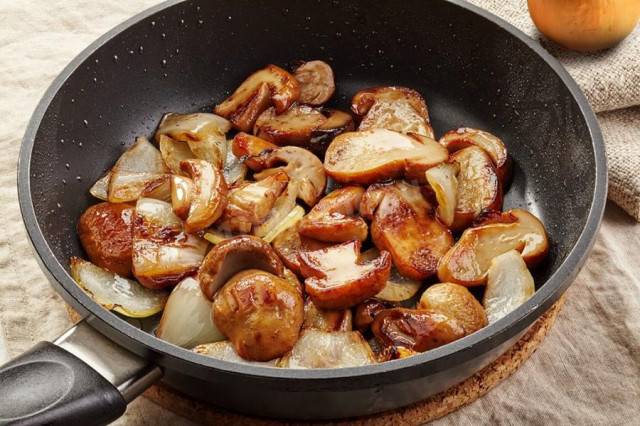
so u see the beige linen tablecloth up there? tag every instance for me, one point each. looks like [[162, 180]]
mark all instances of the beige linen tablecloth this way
[[586, 372]]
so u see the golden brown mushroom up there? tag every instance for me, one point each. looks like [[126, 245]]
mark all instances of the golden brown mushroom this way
[[403, 222], [289, 244], [334, 218], [468, 261], [479, 188], [260, 313], [335, 279], [375, 155], [316, 82], [270, 85], [393, 108], [456, 302], [416, 329], [235, 255], [465, 137]]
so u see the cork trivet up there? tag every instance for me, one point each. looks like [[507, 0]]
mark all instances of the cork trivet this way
[[420, 412]]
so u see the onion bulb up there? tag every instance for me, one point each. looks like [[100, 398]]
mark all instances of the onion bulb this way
[[585, 25], [187, 320], [116, 293]]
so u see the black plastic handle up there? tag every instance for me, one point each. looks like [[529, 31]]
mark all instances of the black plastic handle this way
[[49, 385]]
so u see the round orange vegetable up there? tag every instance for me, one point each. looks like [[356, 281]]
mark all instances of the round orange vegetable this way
[[585, 25]]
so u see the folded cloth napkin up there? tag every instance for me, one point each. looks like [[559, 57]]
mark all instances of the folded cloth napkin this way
[[610, 80], [586, 373]]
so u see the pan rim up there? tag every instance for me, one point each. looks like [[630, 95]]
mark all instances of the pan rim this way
[[512, 324]]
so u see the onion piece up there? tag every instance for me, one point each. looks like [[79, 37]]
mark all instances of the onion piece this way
[[187, 320], [509, 285], [116, 293], [216, 237], [162, 253], [140, 164], [224, 351], [398, 288], [234, 169], [321, 349], [173, 153], [283, 205], [442, 179], [100, 189]]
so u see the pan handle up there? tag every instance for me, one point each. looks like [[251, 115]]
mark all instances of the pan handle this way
[[82, 378]]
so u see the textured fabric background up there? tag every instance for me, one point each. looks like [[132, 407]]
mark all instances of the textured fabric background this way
[[586, 372]]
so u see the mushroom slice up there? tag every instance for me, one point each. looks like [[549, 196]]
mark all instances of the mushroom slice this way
[[316, 82], [204, 134], [479, 188], [338, 122], [456, 302], [334, 218], [398, 288], [393, 108], [468, 261], [366, 312], [289, 244], [249, 149], [163, 254], [252, 202], [196, 327], [322, 349], [260, 313], [140, 164], [444, 182], [465, 137], [160, 188], [403, 222], [224, 351], [326, 319], [303, 168], [370, 156], [116, 293], [173, 153], [100, 189], [295, 126], [270, 85], [509, 285], [234, 255], [209, 194], [335, 279], [416, 329], [234, 170], [182, 192]]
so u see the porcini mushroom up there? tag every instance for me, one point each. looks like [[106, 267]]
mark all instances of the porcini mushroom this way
[[465, 137], [416, 329], [270, 85], [469, 259], [260, 313], [393, 108], [403, 222], [234, 255], [375, 155], [335, 279], [479, 188], [316, 82], [334, 218]]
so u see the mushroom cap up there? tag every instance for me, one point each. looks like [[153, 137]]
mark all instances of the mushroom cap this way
[[235, 255]]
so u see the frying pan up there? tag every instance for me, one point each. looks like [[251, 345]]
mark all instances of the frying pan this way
[[182, 56]]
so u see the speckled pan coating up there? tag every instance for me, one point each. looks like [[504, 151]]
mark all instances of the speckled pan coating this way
[[472, 68]]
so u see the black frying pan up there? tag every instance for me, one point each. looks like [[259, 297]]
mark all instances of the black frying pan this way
[[182, 56]]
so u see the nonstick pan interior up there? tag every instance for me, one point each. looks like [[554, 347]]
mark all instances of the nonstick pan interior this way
[[472, 72]]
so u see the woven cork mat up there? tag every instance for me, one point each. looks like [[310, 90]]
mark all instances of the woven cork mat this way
[[420, 412]]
